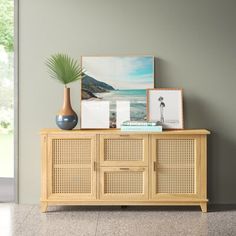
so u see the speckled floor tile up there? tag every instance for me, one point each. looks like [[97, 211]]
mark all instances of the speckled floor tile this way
[[165, 223], [61, 222], [26, 220], [12, 216]]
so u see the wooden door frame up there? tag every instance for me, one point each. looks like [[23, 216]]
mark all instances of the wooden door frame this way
[[48, 161], [125, 198], [143, 137], [153, 169]]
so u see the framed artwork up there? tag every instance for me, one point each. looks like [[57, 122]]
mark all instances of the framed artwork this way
[[166, 106], [114, 89]]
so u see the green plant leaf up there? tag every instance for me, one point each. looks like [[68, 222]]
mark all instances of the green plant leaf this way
[[64, 69]]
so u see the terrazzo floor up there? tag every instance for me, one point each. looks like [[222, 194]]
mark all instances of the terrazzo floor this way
[[26, 220]]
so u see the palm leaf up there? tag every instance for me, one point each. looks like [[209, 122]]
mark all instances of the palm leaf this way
[[64, 69]]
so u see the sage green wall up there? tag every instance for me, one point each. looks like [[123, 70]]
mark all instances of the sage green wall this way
[[195, 41]]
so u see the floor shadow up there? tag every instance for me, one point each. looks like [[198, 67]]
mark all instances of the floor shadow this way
[[221, 207], [211, 208]]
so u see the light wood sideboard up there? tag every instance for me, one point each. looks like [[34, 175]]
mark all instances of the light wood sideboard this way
[[110, 167]]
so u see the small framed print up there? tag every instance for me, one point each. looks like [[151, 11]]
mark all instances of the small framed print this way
[[166, 106]]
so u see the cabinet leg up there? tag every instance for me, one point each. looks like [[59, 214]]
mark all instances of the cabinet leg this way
[[203, 207], [43, 207]]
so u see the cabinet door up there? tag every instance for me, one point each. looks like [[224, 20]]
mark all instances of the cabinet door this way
[[71, 173], [124, 183], [124, 150], [175, 167]]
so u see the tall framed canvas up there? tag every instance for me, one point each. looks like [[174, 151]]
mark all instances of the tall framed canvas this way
[[166, 106], [114, 89]]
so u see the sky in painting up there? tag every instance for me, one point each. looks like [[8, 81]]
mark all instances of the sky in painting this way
[[135, 72]]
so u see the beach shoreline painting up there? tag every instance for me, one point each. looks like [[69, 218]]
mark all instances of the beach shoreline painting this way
[[115, 79]]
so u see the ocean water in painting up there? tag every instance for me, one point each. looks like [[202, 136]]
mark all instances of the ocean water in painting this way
[[137, 99], [119, 79]]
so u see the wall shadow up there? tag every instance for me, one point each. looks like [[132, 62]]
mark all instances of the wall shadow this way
[[221, 150], [198, 113]]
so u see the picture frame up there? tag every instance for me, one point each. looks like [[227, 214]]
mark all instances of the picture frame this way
[[165, 105], [122, 81]]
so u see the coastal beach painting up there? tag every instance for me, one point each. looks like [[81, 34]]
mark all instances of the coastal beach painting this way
[[121, 81]]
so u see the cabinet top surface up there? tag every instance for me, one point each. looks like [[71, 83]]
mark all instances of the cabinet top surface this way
[[117, 131]]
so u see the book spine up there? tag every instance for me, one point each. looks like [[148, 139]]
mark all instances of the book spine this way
[[141, 128], [139, 124]]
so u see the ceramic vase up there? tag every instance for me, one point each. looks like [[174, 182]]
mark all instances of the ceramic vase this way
[[66, 119]]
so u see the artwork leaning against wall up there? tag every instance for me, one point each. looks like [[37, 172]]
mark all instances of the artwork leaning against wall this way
[[114, 89], [165, 105]]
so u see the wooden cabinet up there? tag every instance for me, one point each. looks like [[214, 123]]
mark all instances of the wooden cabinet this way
[[110, 167]]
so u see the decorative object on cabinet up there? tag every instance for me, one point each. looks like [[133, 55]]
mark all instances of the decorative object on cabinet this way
[[139, 128], [144, 125], [166, 106], [108, 167], [114, 89], [65, 70]]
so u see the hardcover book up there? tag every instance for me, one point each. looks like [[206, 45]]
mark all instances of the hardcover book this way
[[140, 123], [142, 128]]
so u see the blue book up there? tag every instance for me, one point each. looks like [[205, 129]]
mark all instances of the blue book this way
[[142, 128]]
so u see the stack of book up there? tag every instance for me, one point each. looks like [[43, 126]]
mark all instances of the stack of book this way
[[151, 126]]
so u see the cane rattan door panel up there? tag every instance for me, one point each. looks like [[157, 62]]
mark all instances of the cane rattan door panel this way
[[72, 167], [175, 167], [124, 183], [124, 150]]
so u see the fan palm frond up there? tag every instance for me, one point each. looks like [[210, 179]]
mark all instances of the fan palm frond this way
[[64, 69]]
